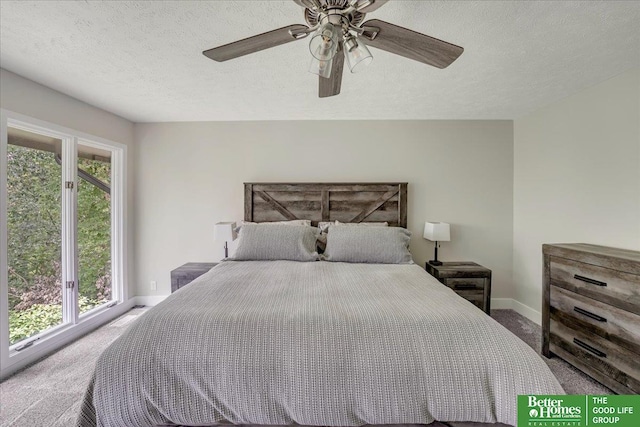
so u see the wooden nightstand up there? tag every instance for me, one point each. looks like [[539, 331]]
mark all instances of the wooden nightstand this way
[[186, 273], [468, 279]]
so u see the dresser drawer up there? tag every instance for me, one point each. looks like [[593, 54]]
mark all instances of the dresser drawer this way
[[591, 316], [594, 353], [613, 287], [465, 284]]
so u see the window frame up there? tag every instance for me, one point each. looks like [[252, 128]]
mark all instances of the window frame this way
[[74, 324]]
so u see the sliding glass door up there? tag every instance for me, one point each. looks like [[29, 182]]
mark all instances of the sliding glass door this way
[[61, 229], [94, 227], [34, 233]]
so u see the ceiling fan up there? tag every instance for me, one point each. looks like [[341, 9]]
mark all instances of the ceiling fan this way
[[339, 34]]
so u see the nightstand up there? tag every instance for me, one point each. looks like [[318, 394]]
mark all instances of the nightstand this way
[[186, 273], [468, 279]]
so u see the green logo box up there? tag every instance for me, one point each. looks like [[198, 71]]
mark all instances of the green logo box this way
[[578, 411]]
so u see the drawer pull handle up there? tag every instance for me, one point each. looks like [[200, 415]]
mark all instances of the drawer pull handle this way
[[589, 314], [588, 280], [587, 347], [464, 286]]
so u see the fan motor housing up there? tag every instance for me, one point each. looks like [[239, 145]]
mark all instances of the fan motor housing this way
[[334, 12]]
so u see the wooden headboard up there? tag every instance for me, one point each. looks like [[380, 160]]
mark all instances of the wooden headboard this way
[[345, 202]]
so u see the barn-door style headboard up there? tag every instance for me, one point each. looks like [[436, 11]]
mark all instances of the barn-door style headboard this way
[[344, 202]]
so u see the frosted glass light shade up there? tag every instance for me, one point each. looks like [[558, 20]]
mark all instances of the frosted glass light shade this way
[[437, 231], [358, 55], [324, 43], [321, 68], [225, 231]]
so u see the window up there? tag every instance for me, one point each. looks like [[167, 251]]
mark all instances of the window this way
[[34, 231], [61, 223], [94, 227]]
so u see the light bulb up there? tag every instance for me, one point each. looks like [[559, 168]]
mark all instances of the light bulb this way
[[324, 43], [357, 54], [320, 67]]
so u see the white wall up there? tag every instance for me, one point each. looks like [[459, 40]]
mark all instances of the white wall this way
[[576, 177], [26, 97], [190, 175]]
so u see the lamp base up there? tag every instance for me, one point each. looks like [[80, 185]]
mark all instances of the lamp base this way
[[435, 262]]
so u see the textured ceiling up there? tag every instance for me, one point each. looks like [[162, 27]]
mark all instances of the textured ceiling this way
[[143, 61]]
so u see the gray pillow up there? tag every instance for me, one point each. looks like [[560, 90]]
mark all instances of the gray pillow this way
[[292, 222], [361, 224], [276, 242], [376, 245], [324, 227]]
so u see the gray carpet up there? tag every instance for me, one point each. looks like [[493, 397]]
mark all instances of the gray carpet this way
[[572, 380], [49, 392]]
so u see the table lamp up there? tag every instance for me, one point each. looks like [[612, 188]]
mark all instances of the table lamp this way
[[225, 231], [436, 232]]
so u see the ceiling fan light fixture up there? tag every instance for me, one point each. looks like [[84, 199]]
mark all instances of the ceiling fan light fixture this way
[[324, 43], [338, 25], [357, 53]]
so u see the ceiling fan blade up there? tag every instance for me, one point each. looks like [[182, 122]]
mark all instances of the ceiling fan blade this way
[[411, 44], [254, 44], [331, 86], [368, 6]]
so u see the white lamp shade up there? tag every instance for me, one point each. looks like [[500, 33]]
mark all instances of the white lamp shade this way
[[437, 231], [225, 231]]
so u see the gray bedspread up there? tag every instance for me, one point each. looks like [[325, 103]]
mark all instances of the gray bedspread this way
[[315, 343]]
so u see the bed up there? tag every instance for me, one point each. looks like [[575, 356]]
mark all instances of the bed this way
[[281, 342]]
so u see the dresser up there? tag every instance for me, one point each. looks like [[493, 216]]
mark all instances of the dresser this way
[[469, 280], [591, 311], [188, 272]]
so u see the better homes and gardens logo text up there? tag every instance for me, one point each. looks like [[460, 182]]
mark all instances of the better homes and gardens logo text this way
[[553, 410], [578, 411]]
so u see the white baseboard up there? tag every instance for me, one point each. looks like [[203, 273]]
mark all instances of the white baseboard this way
[[528, 312], [512, 304], [149, 300], [502, 303]]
